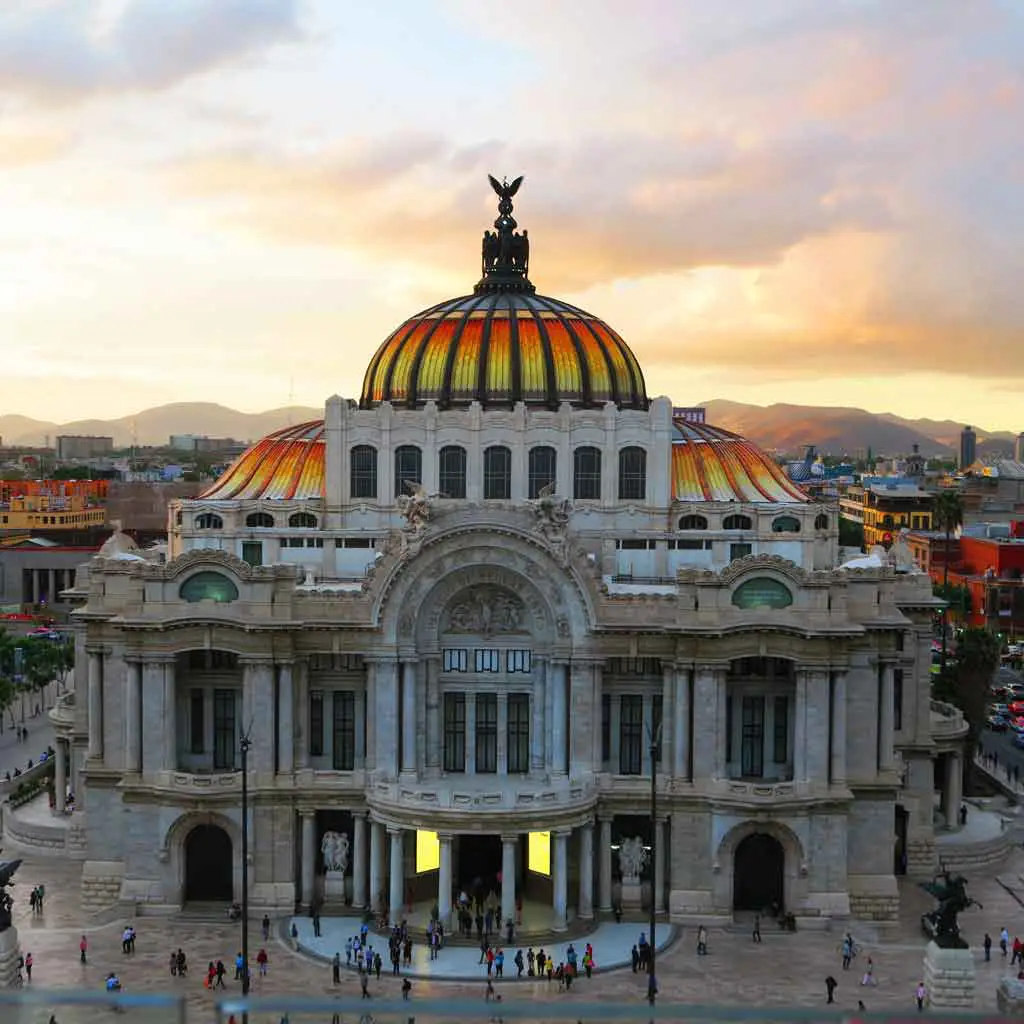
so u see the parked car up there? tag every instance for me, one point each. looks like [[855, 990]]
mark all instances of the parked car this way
[[998, 723], [1018, 741]]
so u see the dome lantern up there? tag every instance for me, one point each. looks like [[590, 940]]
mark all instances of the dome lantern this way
[[505, 255]]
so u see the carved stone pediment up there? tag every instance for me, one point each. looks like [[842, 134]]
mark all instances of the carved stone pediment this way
[[487, 611]]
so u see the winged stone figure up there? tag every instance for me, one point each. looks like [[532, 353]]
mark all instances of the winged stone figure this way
[[502, 188]]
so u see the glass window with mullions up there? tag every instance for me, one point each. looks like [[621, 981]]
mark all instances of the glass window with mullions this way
[[363, 471], [454, 732], [542, 470], [451, 471], [408, 468], [518, 728], [454, 659], [497, 473], [487, 660], [586, 474], [632, 474], [517, 661], [486, 733]]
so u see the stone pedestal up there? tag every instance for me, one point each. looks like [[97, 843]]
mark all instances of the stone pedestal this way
[[1010, 998], [334, 887], [9, 953], [949, 978], [632, 895]]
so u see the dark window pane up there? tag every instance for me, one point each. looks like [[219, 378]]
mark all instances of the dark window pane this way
[[408, 468], [657, 718], [586, 474], [195, 722], [606, 727], [344, 750], [780, 755], [631, 734], [316, 723], [486, 733], [454, 732], [632, 474], [223, 729], [752, 748], [451, 471], [542, 470], [363, 471], [897, 698], [518, 733], [497, 474]]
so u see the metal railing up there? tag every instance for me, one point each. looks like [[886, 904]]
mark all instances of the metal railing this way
[[38, 1006]]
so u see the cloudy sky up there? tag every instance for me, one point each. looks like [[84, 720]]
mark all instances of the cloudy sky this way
[[771, 200]]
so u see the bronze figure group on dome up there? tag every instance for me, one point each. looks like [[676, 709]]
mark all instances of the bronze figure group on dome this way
[[505, 255]]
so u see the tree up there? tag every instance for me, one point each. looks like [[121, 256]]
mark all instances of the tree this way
[[948, 515], [977, 658]]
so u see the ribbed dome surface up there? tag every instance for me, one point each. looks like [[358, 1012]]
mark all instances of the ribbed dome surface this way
[[499, 348]]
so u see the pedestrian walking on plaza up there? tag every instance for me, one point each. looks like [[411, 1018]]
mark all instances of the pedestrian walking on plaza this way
[[316, 923], [336, 968], [364, 985], [28, 966], [220, 971], [919, 996], [83, 948], [266, 928], [869, 980], [635, 957], [830, 987], [988, 946], [261, 962], [757, 928], [1004, 940], [406, 988]]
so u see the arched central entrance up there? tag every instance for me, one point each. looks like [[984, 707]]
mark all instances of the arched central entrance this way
[[208, 864], [759, 874]]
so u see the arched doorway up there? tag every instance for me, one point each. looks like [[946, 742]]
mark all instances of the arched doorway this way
[[759, 874], [208, 864]]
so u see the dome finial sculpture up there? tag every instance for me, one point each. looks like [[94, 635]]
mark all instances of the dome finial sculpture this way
[[505, 254]]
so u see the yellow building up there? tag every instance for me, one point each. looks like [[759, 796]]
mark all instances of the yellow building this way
[[888, 508], [46, 512]]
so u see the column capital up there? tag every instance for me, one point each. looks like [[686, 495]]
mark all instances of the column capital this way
[[606, 818], [505, 838], [306, 814], [395, 830], [362, 814], [561, 833], [445, 837], [256, 660], [158, 658], [97, 649]]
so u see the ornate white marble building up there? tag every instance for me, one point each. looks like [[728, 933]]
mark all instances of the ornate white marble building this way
[[453, 614]]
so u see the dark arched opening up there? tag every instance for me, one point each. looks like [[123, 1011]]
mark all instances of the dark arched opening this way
[[759, 874], [208, 864]]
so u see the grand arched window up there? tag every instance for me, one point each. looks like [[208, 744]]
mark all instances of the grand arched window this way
[[259, 521], [785, 524], [586, 474], [632, 474], [408, 468], [362, 466], [302, 521], [451, 471], [762, 592], [693, 522], [737, 523], [209, 521], [208, 586], [497, 473], [542, 470]]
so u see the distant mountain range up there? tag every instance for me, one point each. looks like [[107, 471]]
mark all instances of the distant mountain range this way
[[782, 428]]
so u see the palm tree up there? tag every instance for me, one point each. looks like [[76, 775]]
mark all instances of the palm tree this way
[[977, 659], [948, 515]]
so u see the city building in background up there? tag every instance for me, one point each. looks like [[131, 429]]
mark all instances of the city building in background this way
[[968, 447], [885, 505], [82, 446]]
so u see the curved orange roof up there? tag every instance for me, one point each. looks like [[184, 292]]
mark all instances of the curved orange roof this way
[[288, 464], [712, 464], [499, 348]]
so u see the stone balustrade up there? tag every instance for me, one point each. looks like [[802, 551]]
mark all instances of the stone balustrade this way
[[948, 721]]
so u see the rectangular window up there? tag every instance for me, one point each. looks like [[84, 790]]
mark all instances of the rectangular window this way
[[344, 750], [657, 720], [487, 660], [363, 471], [606, 728], [486, 733], [541, 471], [518, 738], [739, 551], [223, 729], [497, 474], [780, 754], [586, 465], [631, 734], [517, 661], [316, 723], [408, 468], [451, 471], [454, 659], [897, 699], [252, 552], [686, 544], [195, 721], [454, 732], [752, 749]]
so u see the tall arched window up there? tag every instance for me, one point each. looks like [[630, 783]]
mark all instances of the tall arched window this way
[[821, 522], [542, 470], [451, 471], [362, 471], [497, 473], [693, 522], [259, 521], [632, 474], [737, 523], [302, 521], [408, 468], [786, 524], [209, 521], [586, 474]]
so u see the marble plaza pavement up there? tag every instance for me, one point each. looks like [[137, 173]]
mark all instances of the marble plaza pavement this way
[[785, 970]]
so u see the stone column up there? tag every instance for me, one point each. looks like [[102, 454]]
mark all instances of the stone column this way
[[371, 711], [509, 845], [800, 737], [952, 796], [302, 715], [666, 762], [258, 713], [133, 717], [308, 855], [605, 866], [396, 890], [722, 717], [558, 718], [586, 903], [444, 879], [581, 742], [537, 713], [659, 867], [502, 737], [385, 724], [597, 758], [170, 726], [409, 716], [285, 719], [376, 864], [680, 724], [434, 738], [60, 775], [560, 881], [886, 717], [359, 860], [615, 731], [360, 744], [153, 717], [708, 730], [95, 697], [838, 758]]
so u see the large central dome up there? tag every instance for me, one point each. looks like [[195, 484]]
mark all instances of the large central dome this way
[[504, 343]]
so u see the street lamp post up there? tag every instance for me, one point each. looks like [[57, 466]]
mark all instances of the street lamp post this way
[[652, 985], [245, 744]]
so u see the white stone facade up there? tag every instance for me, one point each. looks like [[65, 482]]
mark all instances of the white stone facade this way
[[491, 670]]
